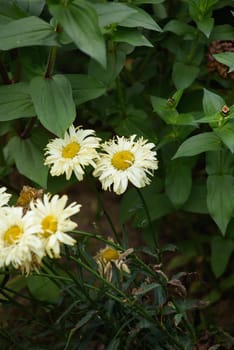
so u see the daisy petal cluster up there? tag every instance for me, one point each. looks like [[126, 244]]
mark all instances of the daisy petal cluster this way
[[72, 153], [53, 217], [108, 257], [19, 243], [124, 160], [31, 231]]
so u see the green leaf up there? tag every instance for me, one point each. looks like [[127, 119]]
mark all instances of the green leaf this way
[[106, 76], [226, 58], [205, 25], [220, 203], [29, 31], [183, 75], [226, 133], [178, 182], [180, 28], [42, 288], [220, 162], [196, 202], [53, 103], [85, 87], [29, 160], [10, 11], [164, 109], [196, 144], [222, 32], [132, 37], [212, 103], [15, 102], [112, 13], [221, 250], [140, 18], [34, 7], [80, 22], [114, 344], [136, 122]]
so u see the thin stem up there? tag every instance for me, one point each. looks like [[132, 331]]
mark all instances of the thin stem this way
[[120, 96], [50, 62], [148, 218]]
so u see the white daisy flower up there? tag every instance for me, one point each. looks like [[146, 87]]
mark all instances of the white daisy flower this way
[[4, 197], [125, 159], [54, 220], [19, 243], [72, 153]]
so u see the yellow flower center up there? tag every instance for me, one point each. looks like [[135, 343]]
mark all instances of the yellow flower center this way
[[49, 225], [122, 160], [71, 150], [110, 254], [12, 234]]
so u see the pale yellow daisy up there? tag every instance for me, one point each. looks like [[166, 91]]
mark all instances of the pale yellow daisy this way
[[125, 159], [53, 217], [19, 243], [108, 256], [72, 153]]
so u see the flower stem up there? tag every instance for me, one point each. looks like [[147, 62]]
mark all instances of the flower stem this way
[[153, 235]]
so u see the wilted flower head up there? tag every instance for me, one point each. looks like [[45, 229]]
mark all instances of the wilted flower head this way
[[72, 153], [125, 159], [53, 218], [108, 256]]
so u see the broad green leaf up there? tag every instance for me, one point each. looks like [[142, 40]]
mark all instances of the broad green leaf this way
[[212, 103], [140, 19], [85, 87], [226, 58], [29, 160], [147, 1], [114, 344], [15, 102], [132, 37], [80, 22], [29, 31], [10, 11], [106, 76], [34, 7], [222, 32], [158, 204], [220, 162], [220, 203], [221, 250], [136, 122], [112, 13], [178, 181], [183, 75], [42, 288], [196, 202], [53, 103], [164, 109], [226, 133], [196, 144], [205, 25], [180, 28]]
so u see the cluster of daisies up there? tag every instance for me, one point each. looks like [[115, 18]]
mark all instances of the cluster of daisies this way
[[35, 227], [116, 162]]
